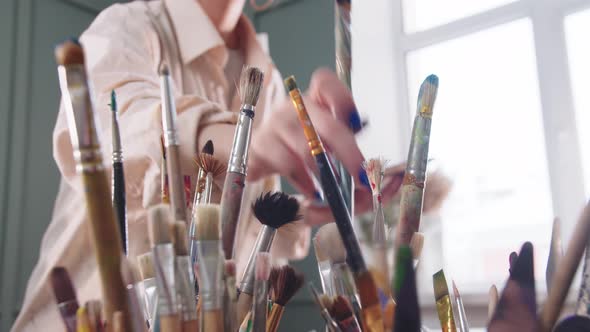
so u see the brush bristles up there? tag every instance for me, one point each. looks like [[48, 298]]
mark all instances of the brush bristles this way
[[341, 308], [326, 302], [250, 85], [69, 52], [62, 285], [290, 83], [208, 148], [180, 239], [263, 266], [208, 222], [455, 290], [145, 263], [417, 243], [427, 94], [440, 285], [320, 255], [276, 209], [209, 164], [374, 168], [159, 224], [285, 284], [330, 243]]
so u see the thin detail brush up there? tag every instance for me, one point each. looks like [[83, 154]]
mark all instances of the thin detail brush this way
[[463, 324], [444, 307], [118, 181], [65, 296], [260, 307], [342, 313], [288, 281], [364, 280], [82, 124], [330, 322], [231, 198]]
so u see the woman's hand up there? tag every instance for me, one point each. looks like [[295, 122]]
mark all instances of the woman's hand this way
[[279, 146]]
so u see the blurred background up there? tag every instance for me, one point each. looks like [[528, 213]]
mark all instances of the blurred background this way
[[510, 124]]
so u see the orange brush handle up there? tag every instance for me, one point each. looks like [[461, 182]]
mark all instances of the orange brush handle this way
[[276, 313], [213, 320]]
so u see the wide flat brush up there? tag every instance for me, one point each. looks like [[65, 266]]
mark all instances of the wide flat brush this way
[[231, 198], [566, 269], [407, 310], [444, 307], [159, 219], [210, 267], [118, 180], [172, 142], [65, 296], [273, 210], [104, 231], [330, 322], [412, 190], [185, 279], [285, 285], [555, 252], [372, 319], [260, 306], [463, 323]]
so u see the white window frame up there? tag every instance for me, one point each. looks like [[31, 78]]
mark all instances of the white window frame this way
[[559, 122]]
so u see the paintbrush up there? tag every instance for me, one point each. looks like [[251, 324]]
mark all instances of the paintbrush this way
[[164, 192], [284, 285], [185, 279], [230, 296], [412, 190], [273, 210], [210, 267], [331, 244], [363, 278], [555, 252], [417, 244], [407, 310], [94, 312], [145, 264], [342, 312], [517, 308], [211, 168], [330, 322], [65, 296], [260, 306], [131, 277], [324, 268], [374, 169], [82, 125], [208, 149], [492, 301], [163, 257], [118, 181], [251, 81], [82, 321], [463, 324], [171, 142], [565, 271], [444, 306]]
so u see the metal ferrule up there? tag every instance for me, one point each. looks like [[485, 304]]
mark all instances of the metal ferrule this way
[[210, 274], [135, 308], [116, 139], [325, 268], [463, 325], [445, 314], [165, 279], [150, 297], [168, 112], [330, 322], [81, 119], [186, 291], [341, 278], [260, 306], [238, 159], [208, 188], [418, 153], [262, 244]]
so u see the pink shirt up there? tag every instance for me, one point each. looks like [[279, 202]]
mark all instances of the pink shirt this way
[[124, 47]]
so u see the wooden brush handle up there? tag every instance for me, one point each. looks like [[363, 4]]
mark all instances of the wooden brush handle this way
[[170, 323], [176, 183], [272, 324], [190, 326], [372, 319], [412, 196], [244, 305], [106, 239], [231, 202], [213, 320]]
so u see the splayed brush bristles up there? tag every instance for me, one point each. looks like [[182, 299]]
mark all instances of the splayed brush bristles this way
[[440, 285], [180, 239], [374, 168], [417, 243], [159, 224], [263, 266], [208, 148], [276, 209], [208, 222], [145, 262], [427, 94], [250, 85], [69, 52], [330, 243], [210, 164], [285, 284], [341, 308], [63, 289]]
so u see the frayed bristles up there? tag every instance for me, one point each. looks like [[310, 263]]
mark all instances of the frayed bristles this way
[[374, 168], [250, 85], [276, 209], [145, 262], [427, 95], [285, 283], [69, 52], [208, 148], [159, 224], [210, 164], [263, 266], [330, 243], [208, 222], [180, 239], [417, 243], [341, 308], [63, 289]]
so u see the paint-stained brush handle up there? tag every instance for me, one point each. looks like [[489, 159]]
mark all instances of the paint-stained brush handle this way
[[231, 203], [119, 202]]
